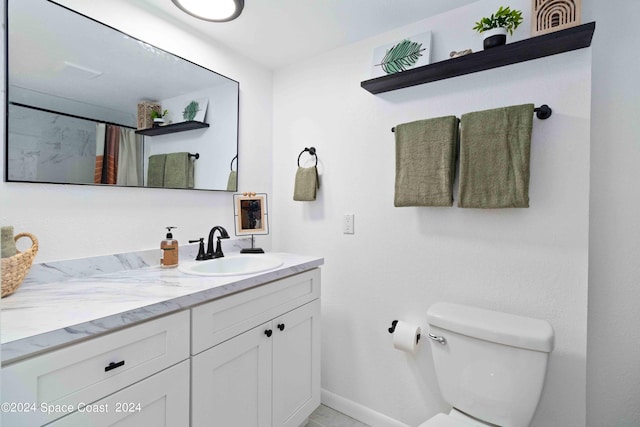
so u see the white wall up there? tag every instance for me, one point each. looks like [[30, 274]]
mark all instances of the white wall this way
[[400, 260], [613, 367], [79, 221]]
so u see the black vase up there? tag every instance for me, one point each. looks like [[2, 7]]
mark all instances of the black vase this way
[[495, 37], [493, 41]]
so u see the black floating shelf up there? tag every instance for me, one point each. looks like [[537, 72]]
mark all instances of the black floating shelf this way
[[512, 53], [173, 128]]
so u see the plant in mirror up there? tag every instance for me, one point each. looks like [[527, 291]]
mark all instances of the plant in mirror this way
[[74, 87], [251, 217]]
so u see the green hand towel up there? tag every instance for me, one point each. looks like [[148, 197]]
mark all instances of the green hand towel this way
[[495, 147], [178, 171], [306, 184], [425, 162], [8, 245], [155, 173], [232, 182]]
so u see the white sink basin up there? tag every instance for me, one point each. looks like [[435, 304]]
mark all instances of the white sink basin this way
[[233, 265]]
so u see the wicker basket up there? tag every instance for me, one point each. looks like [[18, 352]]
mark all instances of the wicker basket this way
[[15, 268]]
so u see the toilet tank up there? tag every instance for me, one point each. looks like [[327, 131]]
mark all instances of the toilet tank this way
[[491, 365]]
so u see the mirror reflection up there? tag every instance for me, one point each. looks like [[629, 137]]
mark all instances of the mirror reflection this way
[[87, 104]]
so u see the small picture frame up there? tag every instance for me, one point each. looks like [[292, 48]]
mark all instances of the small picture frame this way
[[548, 16], [402, 55], [195, 110], [250, 211]]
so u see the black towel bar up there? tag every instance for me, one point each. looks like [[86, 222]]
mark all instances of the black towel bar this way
[[197, 155], [312, 151], [543, 112]]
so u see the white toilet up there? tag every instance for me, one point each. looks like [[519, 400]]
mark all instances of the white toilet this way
[[490, 365]]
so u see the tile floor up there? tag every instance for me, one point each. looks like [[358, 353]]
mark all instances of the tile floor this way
[[327, 417]]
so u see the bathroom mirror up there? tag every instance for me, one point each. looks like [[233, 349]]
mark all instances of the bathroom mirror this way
[[250, 210], [74, 91]]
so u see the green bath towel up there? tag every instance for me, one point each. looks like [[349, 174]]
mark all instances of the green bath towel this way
[[155, 173], [306, 184], [232, 182], [425, 162], [178, 171], [8, 245], [495, 147]]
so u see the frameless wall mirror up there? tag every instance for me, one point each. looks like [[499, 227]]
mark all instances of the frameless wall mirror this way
[[251, 216], [79, 91]]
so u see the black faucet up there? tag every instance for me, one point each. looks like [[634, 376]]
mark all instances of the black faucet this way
[[201, 255], [223, 235]]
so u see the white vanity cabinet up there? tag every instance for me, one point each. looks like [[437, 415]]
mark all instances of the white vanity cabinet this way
[[250, 357], [256, 355], [71, 381]]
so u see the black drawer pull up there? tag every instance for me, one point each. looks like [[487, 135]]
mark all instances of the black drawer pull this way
[[268, 332], [113, 365], [281, 326]]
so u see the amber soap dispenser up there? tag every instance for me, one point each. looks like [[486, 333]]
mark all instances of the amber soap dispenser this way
[[169, 247]]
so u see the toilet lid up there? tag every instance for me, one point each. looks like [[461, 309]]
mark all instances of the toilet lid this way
[[444, 420]]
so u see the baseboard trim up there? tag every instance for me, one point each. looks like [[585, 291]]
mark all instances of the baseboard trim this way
[[358, 411]]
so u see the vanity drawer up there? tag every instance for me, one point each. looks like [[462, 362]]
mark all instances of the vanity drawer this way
[[219, 320], [88, 371], [160, 400]]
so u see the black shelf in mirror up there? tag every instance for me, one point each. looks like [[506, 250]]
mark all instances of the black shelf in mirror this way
[[173, 128], [512, 53]]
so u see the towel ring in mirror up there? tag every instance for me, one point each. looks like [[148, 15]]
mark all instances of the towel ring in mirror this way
[[312, 152]]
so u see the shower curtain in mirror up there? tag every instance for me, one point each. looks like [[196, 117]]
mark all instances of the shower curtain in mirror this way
[[101, 130], [118, 156]]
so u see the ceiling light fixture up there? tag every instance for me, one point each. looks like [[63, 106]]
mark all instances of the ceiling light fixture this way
[[212, 10]]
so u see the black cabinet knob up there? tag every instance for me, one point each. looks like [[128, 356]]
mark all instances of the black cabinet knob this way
[[268, 332], [281, 326]]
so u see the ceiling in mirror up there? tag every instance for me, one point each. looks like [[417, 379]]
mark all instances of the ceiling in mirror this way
[[79, 91]]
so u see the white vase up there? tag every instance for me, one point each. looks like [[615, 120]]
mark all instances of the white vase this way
[[494, 37]]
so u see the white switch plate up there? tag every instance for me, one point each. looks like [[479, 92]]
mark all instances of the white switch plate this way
[[347, 224]]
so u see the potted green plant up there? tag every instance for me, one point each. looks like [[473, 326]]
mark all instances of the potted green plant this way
[[158, 117], [495, 27]]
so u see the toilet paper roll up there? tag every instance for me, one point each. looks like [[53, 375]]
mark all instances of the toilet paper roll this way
[[405, 337]]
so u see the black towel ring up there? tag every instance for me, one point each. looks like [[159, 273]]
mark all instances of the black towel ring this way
[[231, 165], [312, 151]]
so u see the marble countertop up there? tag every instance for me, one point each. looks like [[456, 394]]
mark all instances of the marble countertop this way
[[43, 316]]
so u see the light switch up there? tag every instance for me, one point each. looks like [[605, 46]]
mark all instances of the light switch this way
[[347, 227]]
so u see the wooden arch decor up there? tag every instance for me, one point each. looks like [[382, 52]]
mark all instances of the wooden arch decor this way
[[553, 15]]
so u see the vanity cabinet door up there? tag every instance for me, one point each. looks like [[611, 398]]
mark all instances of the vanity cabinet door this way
[[160, 400], [231, 382], [296, 365]]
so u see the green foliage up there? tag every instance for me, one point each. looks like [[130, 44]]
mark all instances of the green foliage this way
[[401, 56], [503, 18], [190, 111], [157, 115]]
